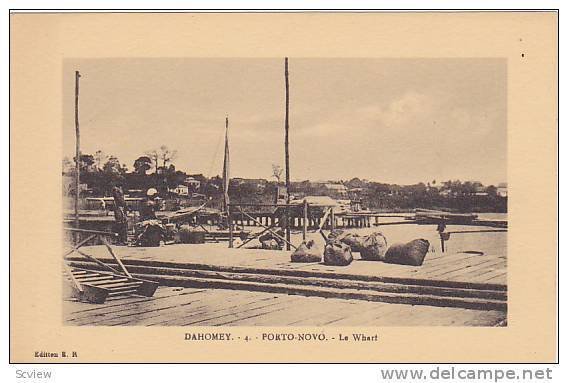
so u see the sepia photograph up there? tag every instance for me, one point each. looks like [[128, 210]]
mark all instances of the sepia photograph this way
[[283, 187], [285, 192]]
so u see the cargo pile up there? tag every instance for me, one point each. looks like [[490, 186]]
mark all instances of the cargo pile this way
[[341, 245]]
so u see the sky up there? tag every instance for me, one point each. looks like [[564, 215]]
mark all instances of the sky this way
[[386, 120]]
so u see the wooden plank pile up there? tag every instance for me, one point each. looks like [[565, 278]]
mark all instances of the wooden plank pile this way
[[98, 286], [91, 286]]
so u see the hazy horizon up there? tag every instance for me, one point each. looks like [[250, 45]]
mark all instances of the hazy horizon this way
[[400, 121]]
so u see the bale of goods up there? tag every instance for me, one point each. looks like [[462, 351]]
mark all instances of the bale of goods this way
[[354, 241], [151, 235], [411, 253], [336, 235], [307, 252], [337, 253], [271, 244], [373, 247], [183, 233], [171, 232], [188, 234], [270, 235], [197, 237]]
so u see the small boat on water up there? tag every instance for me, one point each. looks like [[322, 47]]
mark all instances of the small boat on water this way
[[434, 216]]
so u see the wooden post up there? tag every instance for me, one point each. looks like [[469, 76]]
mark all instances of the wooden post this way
[[230, 220], [77, 149], [273, 232], [305, 221], [287, 155], [332, 220]]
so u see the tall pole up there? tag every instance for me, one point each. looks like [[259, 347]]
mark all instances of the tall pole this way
[[226, 181], [77, 150], [305, 223], [287, 155]]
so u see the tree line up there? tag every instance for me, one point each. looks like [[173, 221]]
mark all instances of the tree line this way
[[156, 169], [153, 169]]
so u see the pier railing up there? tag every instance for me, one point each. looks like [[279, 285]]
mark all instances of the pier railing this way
[[268, 220], [301, 217], [328, 218]]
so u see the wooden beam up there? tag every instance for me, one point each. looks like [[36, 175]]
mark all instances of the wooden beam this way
[[77, 246], [322, 223], [273, 232], [74, 281], [237, 204], [98, 262], [230, 221], [77, 149], [305, 224], [332, 220], [98, 232], [476, 231], [255, 236], [116, 257], [287, 154]]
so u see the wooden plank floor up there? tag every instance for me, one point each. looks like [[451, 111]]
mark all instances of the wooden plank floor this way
[[218, 307], [458, 267]]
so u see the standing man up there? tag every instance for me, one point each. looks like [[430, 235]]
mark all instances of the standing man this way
[[120, 210]]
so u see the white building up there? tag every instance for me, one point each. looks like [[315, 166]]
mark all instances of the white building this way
[[502, 189], [181, 190], [336, 189]]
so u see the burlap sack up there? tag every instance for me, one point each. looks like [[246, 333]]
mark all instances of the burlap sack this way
[[183, 233], [337, 253], [411, 253], [336, 235], [354, 241], [271, 244], [152, 233], [373, 247], [307, 252]]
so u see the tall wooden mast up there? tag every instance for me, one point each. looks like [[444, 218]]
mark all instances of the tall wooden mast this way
[[77, 149], [226, 168], [287, 154]]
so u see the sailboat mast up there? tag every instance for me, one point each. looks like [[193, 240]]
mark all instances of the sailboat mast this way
[[77, 149], [287, 155], [226, 164]]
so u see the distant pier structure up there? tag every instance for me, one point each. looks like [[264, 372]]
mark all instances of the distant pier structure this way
[[345, 220], [307, 212]]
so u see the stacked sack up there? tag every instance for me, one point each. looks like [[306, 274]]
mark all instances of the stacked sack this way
[[354, 241], [337, 253], [270, 244], [373, 247], [411, 253], [307, 252], [269, 241]]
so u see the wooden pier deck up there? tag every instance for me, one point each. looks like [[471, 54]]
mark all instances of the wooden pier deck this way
[[453, 269], [210, 284], [174, 306]]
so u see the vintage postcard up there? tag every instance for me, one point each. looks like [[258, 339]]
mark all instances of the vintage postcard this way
[[292, 187]]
